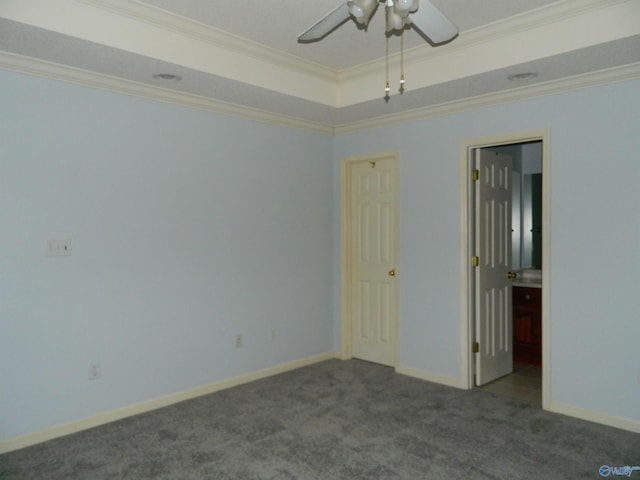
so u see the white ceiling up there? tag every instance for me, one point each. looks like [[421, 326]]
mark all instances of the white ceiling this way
[[245, 55], [278, 24]]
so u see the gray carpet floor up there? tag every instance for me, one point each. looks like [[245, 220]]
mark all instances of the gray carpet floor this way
[[334, 420]]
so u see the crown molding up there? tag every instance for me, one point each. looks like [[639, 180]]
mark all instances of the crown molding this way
[[187, 44], [177, 24], [578, 82], [555, 13], [30, 66], [561, 28], [53, 71], [557, 28], [138, 11], [572, 23]]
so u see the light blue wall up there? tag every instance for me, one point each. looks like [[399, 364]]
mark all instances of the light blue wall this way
[[595, 237], [187, 228], [190, 227]]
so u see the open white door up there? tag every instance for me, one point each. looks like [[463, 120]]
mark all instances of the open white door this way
[[493, 300]]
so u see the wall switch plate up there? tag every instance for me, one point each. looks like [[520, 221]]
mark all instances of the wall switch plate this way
[[58, 247]]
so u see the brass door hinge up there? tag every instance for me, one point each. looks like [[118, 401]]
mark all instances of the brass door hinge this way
[[475, 175], [475, 261], [475, 348]]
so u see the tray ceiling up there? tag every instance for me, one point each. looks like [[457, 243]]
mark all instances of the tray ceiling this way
[[246, 58]]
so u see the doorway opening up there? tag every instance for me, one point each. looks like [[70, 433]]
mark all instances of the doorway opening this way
[[505, 264]]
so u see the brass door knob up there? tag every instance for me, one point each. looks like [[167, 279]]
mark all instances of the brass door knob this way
[[392, 273], [512, 275]]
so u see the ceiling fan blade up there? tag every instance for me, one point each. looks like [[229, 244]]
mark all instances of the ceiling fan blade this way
[[432, 23], [327, 24]]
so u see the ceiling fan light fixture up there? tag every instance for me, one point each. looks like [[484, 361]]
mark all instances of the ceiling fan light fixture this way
[[394, 20], [405, 7], [362, 10], [423, 16]]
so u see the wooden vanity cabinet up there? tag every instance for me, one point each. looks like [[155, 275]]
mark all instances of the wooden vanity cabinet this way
[[527, 325]]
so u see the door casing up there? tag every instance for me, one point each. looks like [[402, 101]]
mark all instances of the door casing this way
[[345, 249], [466, 150]]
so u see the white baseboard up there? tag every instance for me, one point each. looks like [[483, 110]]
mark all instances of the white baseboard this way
[[431, 377], [594, 416], [44, 435], [50, 433], [555, 407]]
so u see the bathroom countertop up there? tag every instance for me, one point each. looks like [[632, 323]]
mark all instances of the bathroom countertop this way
[[527, 282], [528, 277]]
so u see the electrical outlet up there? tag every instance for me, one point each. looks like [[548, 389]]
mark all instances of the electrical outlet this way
[[58, 247], [95, 371], [239, 340], [274, 335]]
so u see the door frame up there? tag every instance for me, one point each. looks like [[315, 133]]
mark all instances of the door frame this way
[[467, 147], [346, 168]]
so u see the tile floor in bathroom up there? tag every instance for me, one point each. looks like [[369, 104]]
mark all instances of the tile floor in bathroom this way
[[525, 383]]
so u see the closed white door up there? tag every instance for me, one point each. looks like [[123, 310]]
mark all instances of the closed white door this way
[[493, 299], [373, 260]]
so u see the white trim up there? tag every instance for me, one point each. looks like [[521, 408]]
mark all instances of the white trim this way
[[549, 30], [532, 19], [345, 262], [553, 87], [431, 376], [549, 14], [555, 29], [466, 323], [50, 433], [149, 32], [54, 71], [555, 407], [187, 27], [594, 416]]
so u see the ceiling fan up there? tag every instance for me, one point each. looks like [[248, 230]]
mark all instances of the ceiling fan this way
[[421, 14]]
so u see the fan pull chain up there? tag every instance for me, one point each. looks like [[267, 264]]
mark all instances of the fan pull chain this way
[[401, 89], [387, 89]]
